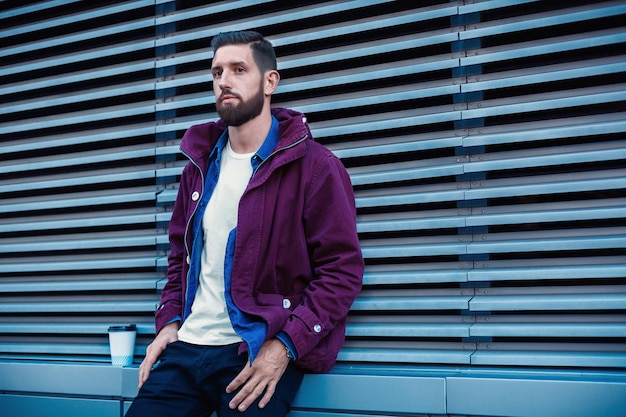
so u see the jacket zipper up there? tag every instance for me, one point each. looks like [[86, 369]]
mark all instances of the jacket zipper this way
[[187, 228], [277, 151]]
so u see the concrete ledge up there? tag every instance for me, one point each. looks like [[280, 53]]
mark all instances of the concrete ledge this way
[[601, 396], [101, 390], [373, 393], [41, 406]]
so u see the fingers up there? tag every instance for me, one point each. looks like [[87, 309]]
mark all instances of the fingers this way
[[262, 377], [248, 394], [269, 393], [167, 335], [152, 354], [240, 379]]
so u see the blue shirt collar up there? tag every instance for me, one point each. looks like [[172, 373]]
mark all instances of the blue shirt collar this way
[[270, 141], [266, 149]]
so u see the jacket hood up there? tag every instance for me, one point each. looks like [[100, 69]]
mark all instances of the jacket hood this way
[[200, 139]]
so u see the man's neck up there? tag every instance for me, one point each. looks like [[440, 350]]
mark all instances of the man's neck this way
[[249, 137]]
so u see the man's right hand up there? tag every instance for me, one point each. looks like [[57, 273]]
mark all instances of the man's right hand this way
[[167, 335]]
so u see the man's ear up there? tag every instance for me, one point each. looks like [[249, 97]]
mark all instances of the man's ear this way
[[272, 78]]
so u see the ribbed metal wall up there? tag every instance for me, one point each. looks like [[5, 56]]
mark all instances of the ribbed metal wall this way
[[485, 143]]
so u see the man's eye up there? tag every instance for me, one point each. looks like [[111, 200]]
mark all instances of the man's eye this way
[[217, 74], [240, 69]]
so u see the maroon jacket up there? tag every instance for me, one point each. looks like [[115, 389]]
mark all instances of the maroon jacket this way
[[297, 263]]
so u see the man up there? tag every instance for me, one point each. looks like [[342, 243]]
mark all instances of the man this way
[[265, 260]]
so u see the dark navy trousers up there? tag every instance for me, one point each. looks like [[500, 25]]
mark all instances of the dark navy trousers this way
[[190, 381]]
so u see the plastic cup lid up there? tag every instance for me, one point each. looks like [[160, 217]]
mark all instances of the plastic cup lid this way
[[127, 328]]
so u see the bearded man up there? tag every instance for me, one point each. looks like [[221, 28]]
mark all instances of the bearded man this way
[[265, 261]]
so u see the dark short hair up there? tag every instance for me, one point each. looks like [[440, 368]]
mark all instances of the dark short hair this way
[[262, 50]]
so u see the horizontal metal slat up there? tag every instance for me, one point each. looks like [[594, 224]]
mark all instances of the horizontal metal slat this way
[[78, 221], [545, 74], [411, 195], [521, 357], [551, 330], [489, 5], [405, 171], [119, 240], [68, 119], [88, 178], [377, 96], [77, 263], [73, 18], [409, 248], [549, 46], [396, 144], [579, 154], [548, 212], [267, 19], [607, 267], [68, 328], [59, 201], [384, 121], [35, 8], [85, 283], [85, 96], [608, 297], [365, 73], [548, 184], [416, 273], [543, 20], [76, 77], [373, 48], [50, 349], [408, 326], [180, 15], [442, 299], [547, 101], [78, 37], [170, 171], [552, 129], [166, 196], [368, 24], [411, 221], [74, 159], [406, 352], [9, 307], [84, 137], [73, 58], [552, 240]]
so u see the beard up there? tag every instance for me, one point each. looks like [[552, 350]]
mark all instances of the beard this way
[[238, 114]]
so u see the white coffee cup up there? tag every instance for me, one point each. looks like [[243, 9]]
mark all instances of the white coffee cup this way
[[122, 344]]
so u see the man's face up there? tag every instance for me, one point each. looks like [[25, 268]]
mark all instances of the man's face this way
[[238, 85]]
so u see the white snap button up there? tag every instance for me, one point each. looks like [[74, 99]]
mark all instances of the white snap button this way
[[286, 303], [317, 328], [195, 196], [188, 260], [304, 119]]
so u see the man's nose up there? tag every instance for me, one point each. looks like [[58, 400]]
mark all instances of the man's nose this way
[[224, 81]]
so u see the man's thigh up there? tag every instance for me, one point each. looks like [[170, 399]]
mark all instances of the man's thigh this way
[[279, 405], [171, 389], [191, 381]]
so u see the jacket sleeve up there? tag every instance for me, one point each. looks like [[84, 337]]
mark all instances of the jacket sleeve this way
[[330, 230], [171, 307]]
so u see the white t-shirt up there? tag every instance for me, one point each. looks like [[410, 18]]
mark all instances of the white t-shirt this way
[[209, 323]]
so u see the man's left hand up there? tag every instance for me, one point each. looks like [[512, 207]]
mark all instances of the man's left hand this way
[[262, 376]]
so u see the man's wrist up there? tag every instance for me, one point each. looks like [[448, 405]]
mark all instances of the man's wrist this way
[[286, 341], [289, 354]]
